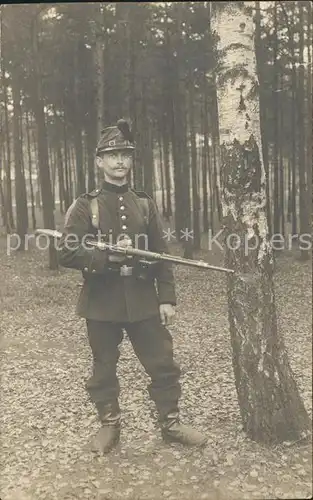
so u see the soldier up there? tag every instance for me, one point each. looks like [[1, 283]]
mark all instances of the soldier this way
[[119, 292]]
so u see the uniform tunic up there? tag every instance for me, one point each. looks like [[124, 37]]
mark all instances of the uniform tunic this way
[[106, 295]]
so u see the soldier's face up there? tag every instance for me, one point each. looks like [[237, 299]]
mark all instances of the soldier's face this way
[[116, 164]]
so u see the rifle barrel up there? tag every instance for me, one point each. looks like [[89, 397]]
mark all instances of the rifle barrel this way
[[200, 264]]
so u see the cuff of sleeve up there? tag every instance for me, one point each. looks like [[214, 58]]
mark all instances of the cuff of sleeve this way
[[166, 294]]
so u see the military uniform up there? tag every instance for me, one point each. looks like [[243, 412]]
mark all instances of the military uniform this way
[[123, 296], [107, 296], [111, 302]]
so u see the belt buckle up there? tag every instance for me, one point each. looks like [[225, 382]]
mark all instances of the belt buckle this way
[[126, 270]]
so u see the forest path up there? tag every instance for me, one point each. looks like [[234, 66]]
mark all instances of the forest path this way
[[47, 421]]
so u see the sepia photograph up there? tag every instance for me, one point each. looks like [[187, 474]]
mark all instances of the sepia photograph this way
[[156, 250]]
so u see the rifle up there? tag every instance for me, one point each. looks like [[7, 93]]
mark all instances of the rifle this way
[[136, 252]]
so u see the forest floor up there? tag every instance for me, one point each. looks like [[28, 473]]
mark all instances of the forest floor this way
[[47, 421]]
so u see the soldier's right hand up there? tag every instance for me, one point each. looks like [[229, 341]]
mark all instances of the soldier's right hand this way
[[124, 243]]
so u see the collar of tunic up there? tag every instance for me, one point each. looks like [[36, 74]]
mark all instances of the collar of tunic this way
[[114, 188]]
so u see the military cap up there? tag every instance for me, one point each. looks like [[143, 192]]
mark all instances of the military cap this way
[[116, 137]]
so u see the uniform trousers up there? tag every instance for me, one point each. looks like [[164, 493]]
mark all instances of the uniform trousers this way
[[153, 346]]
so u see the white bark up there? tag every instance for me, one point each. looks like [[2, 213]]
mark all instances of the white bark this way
[[238, 107], [236, 27]]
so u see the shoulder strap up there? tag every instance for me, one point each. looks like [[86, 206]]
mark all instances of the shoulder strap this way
[[68, 212], [94, 207]]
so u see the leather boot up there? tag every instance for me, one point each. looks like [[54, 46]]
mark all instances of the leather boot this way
[[173, 431], [108, 435]]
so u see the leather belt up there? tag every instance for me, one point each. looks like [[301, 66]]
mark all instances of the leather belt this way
[[142, 270], [122, 270]]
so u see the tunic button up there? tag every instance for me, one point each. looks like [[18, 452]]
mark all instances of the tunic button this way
[[85, 268], [123, 217], [122, 207], [93, 271], [124, 227], [121, 198]]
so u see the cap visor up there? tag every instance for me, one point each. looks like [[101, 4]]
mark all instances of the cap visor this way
[[116, 148]]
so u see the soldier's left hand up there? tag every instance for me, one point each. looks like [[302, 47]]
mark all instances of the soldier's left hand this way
[[167, 313]]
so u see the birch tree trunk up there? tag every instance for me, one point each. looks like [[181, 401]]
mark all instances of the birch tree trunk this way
[[269, 401]]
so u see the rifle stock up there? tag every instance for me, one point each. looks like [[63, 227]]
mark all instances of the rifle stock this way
[[136, 252]]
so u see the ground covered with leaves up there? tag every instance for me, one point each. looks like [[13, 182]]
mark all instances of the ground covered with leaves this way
[[47, 421]]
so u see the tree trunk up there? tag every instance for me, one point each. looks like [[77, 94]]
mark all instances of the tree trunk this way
[[146, 152], [55, 177], [4, 209], [309, 145], [211, 151], [90, 144], [194, 171], [2, 199], [163, 186], [52, 164], [72, 171], [133, 50], [276, 125], [304, 201], [181, 165], [167, 167], [20, 186], [91, 164], [34, 137], [78, 139], [78, 161], [206, 161], [270, 404], [289, 208], [68, 193], [183, 171], [61, 178], [260, 60], [99, 74], [293, 157], [7, 167], [216, 151], [293, 122], [4, 213], [178, 181], [30, 165], [59, 161], [281, 157], [46, 192]]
